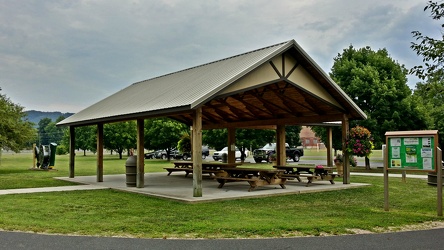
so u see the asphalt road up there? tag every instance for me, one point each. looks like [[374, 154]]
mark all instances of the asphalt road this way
[[427, 239]]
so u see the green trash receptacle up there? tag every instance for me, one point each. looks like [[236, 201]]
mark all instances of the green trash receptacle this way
[[52, 153], [131, 171]]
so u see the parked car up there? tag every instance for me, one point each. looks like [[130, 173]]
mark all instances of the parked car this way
[[205, 153], [150, 155], [162, 154], [270, 148], [218, 154]]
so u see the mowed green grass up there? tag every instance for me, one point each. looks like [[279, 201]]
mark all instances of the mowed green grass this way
[[115, 213]]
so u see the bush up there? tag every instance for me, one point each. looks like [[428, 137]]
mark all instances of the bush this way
[[61, 150]]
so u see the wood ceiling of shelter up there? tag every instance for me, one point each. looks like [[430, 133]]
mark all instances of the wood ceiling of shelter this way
[[273, 104], [278, 101]]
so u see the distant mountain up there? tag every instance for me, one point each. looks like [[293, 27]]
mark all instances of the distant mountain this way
[[35, 116]]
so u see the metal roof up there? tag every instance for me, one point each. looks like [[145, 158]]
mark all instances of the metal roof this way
[[177, 94]]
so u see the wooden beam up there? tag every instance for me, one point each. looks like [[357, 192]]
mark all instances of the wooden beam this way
[[275, 69], [252, 108], [281, 158], [100, 152], [197, 152], [276, 121], [72, 152], [140, 181], [329, 146], [346, 156], [231, 145]]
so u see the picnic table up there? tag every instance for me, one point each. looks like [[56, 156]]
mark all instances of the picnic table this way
[[207, 167], [311, 172], [256, 177]]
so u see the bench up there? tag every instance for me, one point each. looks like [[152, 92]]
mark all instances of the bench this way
[[298, 171], [254, 182], [187, 170], [254, 177], [326, 177], [211, 172]]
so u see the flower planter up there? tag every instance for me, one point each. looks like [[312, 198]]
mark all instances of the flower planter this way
[[339, 167]]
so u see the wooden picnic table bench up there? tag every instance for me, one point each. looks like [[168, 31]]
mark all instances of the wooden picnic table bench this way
[[256, 177], [207, 167], [298, 171]]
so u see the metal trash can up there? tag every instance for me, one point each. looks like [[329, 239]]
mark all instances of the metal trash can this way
[[432, 179], [224, 158], [131, 171]]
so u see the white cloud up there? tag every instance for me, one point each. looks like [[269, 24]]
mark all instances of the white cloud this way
[[67, 55]]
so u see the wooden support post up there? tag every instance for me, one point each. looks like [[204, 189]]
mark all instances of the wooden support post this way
[[280, 146], [72, 150], [100, 152], [329, 147], [231, 145], [197, 153], [34, 159], [438, 166], [140, 178], [346, 156], [386, 179]]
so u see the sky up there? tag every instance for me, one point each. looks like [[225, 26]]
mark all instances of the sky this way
[[65, 55]]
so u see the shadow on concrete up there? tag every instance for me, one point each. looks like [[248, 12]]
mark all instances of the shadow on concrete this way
[[180, 188]]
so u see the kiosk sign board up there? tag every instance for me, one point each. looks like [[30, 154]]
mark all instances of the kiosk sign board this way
[[412, 150]]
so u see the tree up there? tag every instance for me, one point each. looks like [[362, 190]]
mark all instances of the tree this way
[[120, 136], [86, 138], [163, 133], [430, 49], [321, 132], [250, 138], [378, 85], [15, 131], [48, 131], [292, 135], [430, 94]]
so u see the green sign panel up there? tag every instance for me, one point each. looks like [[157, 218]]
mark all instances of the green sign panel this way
[[411, 152]]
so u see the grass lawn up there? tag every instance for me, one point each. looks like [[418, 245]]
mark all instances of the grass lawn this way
[[115, 213]]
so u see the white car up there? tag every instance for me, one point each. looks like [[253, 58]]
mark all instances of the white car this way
[[218, 154]]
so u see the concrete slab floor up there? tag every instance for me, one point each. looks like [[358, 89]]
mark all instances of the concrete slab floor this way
[[180, 188]]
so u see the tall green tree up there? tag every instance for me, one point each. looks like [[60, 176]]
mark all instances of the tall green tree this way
[[430, 96], [48, 131], [86, 138], [321, 132], [431, 92], [378, 85], [163, 134], [429, 48], [15, 131], [120, 136]]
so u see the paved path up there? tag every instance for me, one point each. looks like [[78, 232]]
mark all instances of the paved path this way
[[426, 239], [50, 189]]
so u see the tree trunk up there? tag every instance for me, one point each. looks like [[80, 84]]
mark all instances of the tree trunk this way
[[367, 163]]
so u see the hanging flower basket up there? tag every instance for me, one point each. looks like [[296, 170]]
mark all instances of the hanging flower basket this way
[[359, 142]]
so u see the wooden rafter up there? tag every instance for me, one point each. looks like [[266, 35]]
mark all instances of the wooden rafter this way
[[238, 111], [252, 108]]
